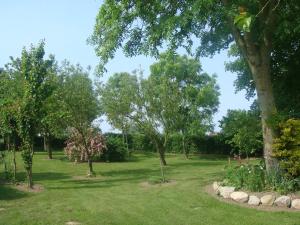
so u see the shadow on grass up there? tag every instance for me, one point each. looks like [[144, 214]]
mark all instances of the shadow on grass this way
[[9, 193], [50, 176]]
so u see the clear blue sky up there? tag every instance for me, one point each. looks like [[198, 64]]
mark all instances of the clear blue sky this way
[[66, 24]]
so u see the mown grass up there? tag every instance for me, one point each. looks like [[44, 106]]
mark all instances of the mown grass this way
[[116, 196]]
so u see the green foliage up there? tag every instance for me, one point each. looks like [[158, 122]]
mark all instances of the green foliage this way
[[115, 149], [277, 180], [242, 130], [79, 97], [243, 21], [6, 158], [287, 147], [256, 178], [141, 142], [250, 177]]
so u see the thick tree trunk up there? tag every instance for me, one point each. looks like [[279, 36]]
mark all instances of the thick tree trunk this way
[[47, 146], [262, 78]]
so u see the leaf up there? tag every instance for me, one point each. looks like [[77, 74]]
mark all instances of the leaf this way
[[243, 21]]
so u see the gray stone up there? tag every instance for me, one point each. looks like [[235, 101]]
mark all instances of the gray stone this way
[[283, 201], [239, 196], [226, 191], [296, 204], [253, 200], [267, 199], [73, 223]]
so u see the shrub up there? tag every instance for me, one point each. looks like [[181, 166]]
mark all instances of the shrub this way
[[277, 180], [115, 149], [287, 147], [141, 142], [251, 177], [256, 178]]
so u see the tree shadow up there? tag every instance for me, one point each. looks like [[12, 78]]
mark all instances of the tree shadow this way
[[10, 193], [50, 176]]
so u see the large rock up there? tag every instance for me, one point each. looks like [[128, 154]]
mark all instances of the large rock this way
[[267, 199], [239, 196], [296, 204], [216, 186], [226, 191], [283, 201], [253, 200]]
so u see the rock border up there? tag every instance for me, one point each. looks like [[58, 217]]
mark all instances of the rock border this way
[[264, 201]]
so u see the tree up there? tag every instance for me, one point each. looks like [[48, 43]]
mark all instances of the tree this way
[[9, 102], [85, 147], [196, 95], [116, 98], [33, 69], [81, 103], [140, 27], [54, 112], [241, 129]]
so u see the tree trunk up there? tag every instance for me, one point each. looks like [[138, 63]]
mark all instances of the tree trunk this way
[[91, 171], [14, 159], [47, 146], [8, 142], [29, 177], [262, 78], [185, 152], [161, 152], [127, 146]]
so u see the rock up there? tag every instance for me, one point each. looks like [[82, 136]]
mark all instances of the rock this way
[[2, 209], [73, 223], [239, 196], [253, 200], [226, 191], [296, 204], [216, 186], [267, 199], [283, 201]]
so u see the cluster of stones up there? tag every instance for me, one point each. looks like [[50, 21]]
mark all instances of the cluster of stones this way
[[266, 200]]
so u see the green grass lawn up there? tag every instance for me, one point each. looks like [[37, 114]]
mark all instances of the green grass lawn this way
[[116, 196]]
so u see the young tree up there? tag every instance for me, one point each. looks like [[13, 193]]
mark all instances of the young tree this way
[[116, 98], [241, 129], [54, 112], [34, 70], [196, 95], [9, 102], [85, 147], [81, 102], [141, 27]]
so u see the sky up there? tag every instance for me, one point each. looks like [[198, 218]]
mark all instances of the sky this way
[[65, 26]]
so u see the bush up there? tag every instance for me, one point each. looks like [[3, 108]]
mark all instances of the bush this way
[[255, 178], [115, 149], [141, 142], [277, 180], [287, 147], [250, 177]]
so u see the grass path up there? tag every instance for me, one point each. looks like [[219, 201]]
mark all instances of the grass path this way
[[116, 196]]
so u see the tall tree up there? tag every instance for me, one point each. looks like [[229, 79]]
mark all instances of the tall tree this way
[[34, 70], [81, 102], [54, 112], [141, 27], [116, 97], [197, 95]]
